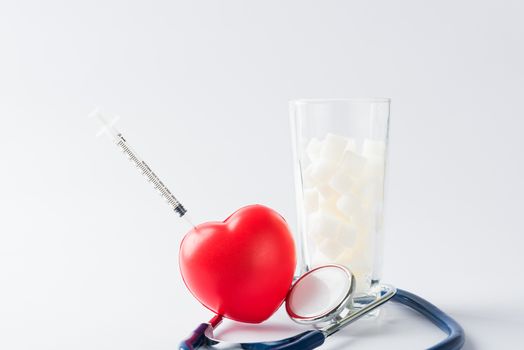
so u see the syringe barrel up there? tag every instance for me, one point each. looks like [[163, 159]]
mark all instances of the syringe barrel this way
[[150, 175]]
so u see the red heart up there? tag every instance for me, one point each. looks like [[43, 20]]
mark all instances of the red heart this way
[[241, 268]]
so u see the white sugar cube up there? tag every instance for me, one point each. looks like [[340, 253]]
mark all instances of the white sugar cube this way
[[361, 261], [347, 204], [373, 148], [358, 258], [329, 205], [371, 197], [374, 170], [331, 248], [313, 149], [315, 239], [310, 200], [342, 182], [326, 192], [352, 163], [321, 171], [351, 145], [363, 218], [323, 223], [347, 234], [369, 192], [333, 147], [345, 257], [318, 259]]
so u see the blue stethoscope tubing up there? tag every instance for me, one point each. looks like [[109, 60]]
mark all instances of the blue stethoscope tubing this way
[[314, 338]]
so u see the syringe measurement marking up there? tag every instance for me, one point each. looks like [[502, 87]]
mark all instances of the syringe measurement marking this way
[[151, 176]]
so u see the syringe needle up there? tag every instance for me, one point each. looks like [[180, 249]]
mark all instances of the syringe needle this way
[[188, 220], [107, 122]]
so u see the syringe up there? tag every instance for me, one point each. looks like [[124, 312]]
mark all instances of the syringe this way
[[107, 122]]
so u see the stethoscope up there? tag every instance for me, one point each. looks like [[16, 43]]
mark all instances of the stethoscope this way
[[324, 297]]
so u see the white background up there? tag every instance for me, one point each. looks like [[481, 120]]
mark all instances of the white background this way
[[88, 253]]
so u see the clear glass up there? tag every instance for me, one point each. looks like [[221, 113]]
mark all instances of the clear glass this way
[[340, 151]]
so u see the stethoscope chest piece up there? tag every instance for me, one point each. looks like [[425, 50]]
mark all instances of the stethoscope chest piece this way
[[321, 295]]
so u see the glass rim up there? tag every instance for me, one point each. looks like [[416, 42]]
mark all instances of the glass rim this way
[[342, 99]]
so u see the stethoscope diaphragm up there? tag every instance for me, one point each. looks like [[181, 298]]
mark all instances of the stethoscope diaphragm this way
[[320, 295]]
